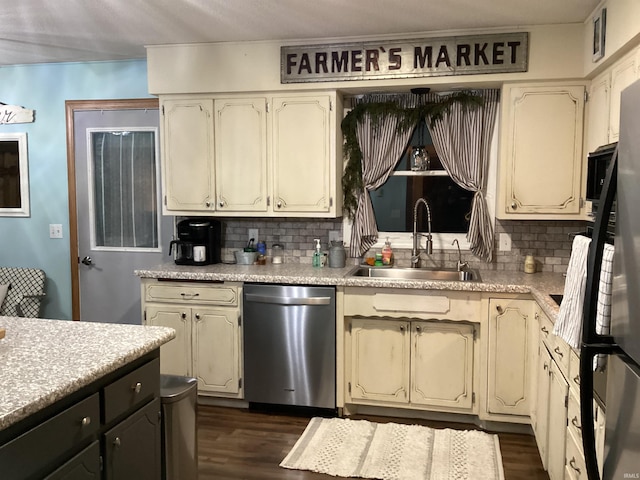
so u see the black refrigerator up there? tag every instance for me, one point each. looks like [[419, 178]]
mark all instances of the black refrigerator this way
[[622, 347]]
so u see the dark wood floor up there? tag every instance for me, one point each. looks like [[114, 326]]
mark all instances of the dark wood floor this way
[[249, 444]]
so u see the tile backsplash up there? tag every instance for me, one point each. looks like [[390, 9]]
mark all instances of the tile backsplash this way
[[549, 241]]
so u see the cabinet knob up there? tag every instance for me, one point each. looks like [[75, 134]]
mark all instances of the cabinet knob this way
[[418, 329], [184, 315], [557, 350], [207, 204], [402, 328], [85, 421], [137, 387], [279, 204], [514, 205], [116, 442], [500, 309], [197, 316], [576, 379], [221, 204]]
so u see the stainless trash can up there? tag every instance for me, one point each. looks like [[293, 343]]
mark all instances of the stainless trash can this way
[[179, 433]]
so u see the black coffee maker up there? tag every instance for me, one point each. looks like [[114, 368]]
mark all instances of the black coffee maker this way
[[198, 242]]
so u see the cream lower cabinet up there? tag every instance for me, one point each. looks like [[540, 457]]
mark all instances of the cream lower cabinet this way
[[541, 164], [208, 333], [418, 363], [511, 329]]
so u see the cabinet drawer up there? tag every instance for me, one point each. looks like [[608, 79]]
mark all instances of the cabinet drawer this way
[[574, 372], [401, 303], [573, 420], [575, 465], [192, 293], [132, 390], [560, 353], [37, 449]]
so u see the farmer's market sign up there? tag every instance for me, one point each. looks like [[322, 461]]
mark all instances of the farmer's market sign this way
[[428, 57], [14, 114]]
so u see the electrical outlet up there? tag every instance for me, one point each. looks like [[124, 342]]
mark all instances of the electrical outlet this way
[[334, 236], [505, 242], [55, 230], [253, 233]]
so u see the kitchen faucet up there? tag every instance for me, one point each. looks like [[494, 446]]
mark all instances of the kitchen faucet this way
[[415, 252], [461, 265]]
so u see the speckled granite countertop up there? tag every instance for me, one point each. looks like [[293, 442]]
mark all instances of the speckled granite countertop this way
[[42, 361], [540, 285]]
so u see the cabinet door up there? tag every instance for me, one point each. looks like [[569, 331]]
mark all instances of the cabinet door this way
[[216, 357], [541, 160], [541, 423], [241, 154], [557, 423], [379, 360], [187, 156], [623, 74], [510, 356], [132, 447], [84, 466], [175, 356], [598, 112], [442, 364], [303, 154]]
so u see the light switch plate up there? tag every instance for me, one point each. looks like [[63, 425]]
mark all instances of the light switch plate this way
[[334, 236], [253, 233], [55, 230]]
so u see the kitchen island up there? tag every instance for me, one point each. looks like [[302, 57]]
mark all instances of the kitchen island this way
[[67, 386]]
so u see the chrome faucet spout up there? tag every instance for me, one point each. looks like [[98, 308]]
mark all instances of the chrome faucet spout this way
[[415, 251], [461, 265]]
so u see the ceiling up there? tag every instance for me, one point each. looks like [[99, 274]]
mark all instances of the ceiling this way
[[43, 31]]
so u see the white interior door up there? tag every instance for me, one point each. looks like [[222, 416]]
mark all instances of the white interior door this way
[[120, 226]]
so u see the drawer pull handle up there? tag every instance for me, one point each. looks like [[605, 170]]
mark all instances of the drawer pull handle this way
[[137, 387], [544, 330], [557, 350], [575, 423], [576, 379], [116, 442], [86, 421], [572, 462], [500, 309], [189, 295]]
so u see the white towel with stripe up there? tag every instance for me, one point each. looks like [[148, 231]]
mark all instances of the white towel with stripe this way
[[568, 325], [603, 310]]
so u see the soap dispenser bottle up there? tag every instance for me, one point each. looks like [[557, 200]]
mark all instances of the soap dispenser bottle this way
[[387, 253], [317, 254]]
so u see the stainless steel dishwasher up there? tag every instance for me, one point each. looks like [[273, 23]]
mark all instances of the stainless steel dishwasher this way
[[290, 345]]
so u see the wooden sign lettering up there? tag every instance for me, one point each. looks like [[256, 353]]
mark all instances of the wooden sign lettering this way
[[14, 114]]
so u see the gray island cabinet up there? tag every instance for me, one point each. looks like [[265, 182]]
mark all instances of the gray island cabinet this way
[[80, 400]]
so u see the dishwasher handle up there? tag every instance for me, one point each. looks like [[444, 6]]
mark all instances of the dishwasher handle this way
[[250, 297]]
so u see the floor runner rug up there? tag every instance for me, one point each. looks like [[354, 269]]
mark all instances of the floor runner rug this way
[[389, 451]]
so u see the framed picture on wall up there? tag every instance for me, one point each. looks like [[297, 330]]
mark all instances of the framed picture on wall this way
[[599, 34]]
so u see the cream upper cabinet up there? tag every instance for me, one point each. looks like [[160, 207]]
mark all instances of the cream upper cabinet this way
[[510, 355], [541, 163], [271, 155], [603, 105], [241, 154], [304, 154], [187, 155]]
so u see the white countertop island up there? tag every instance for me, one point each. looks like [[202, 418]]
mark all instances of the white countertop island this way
[[43, 361]]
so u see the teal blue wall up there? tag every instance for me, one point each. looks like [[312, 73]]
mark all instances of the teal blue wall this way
[[25, 242]]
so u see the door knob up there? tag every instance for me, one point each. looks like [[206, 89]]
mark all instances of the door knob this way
[[87, 261]]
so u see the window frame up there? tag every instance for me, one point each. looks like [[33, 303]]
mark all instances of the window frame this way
[[23, 164]]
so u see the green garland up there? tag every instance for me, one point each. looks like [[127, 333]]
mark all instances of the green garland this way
[[408, 118]]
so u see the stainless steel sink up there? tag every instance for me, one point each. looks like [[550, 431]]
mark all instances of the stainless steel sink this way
[[450, 275]]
